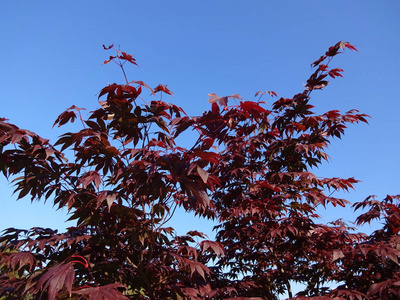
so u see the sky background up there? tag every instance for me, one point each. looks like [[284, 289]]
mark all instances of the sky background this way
[[51, 58]]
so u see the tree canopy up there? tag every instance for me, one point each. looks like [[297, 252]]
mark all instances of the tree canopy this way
[[125, 172]]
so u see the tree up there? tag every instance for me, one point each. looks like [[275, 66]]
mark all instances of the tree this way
[[249, 170]]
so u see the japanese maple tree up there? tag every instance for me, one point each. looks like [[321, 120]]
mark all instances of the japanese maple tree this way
[[123, 175]]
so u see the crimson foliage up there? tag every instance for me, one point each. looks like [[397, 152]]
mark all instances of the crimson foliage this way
[[249, 171]]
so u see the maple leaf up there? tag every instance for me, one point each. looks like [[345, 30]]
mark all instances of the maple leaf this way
[[335, 72], [343, 45], [320, 85], [215, 247], [108, 89], [64, 118], [318, 61], [127, 57], [56, 278], [195, 233], [21, 259], [271, 93], [109, 196], [221, 100], [235, 96], [144, 85], [109, 47], [89, 177], [203, 174], [67, 116], [250, 105], [106, 292], [337, 253], [163, 88], [109, 59], [322, 67]]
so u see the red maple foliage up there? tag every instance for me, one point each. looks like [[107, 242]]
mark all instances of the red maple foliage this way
[[249, 170]]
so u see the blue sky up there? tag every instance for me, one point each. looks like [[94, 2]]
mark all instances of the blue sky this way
[[51, 58]]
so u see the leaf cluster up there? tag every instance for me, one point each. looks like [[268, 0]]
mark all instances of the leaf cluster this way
[[250, 170]]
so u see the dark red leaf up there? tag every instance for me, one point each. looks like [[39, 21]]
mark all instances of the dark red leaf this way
[[108, 89], [335, 72], [22, 259], [109, 59], [106, 292], [64, 118], [163, 88], [109, 47], [215, 247], [127, 57], [318, 61], [144, 85], [56, 278]]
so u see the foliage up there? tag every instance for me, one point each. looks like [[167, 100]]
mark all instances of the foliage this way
[[249, 171]]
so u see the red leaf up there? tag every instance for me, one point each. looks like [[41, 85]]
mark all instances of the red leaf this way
[[250, 105], [380, 287], [323, 67], [221, 100], [109, 47], [197, 267], [272, 93], [244, 298], [163, 88], [318, 61], [209, 156], [343, 45], [320, 85], [76, 108], [109, 196], [195, 233], [21, 259], [106, 292], [203, 174], [235, 96], [337, 253], [393, 254], [89, 177], [127, 57], [215, 247], [64, 118], [335, 72], [144, 85], [108, 89], [67, 116], [109, 59], [266, 184], [333, 50], [56, 278]]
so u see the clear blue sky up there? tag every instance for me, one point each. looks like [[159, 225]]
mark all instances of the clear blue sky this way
[[51, 58]]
